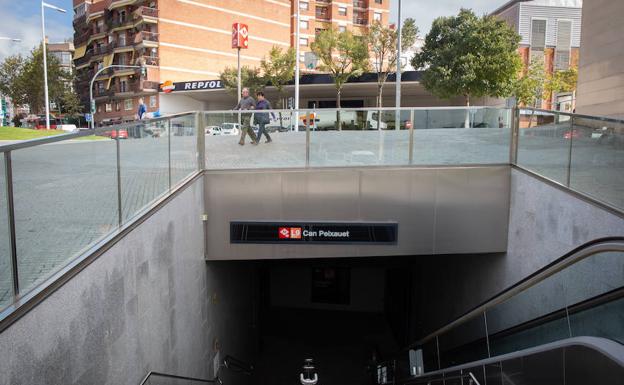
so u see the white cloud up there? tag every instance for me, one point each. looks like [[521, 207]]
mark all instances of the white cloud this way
[[28, 29]]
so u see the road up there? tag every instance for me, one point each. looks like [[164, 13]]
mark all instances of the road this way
[[66, 193]]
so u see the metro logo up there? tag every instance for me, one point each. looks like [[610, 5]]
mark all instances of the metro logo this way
[[289, 233], [284, 233], [295, 232]]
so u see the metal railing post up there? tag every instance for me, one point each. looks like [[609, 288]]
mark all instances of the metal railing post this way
[[515, 132], [201, 141], [8, 174], [168, 123], [487, 334], [119, 208], [308, 116], [411, 138], [569, 168]]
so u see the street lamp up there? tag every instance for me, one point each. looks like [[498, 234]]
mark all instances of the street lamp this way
[[10, 38], [45, 5], [92, 102]]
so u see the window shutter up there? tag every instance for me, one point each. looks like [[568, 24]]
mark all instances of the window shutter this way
[[538, 34], [564, 41]]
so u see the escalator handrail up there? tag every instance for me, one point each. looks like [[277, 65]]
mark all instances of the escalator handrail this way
[[586, 250], [611, 349], [177, 377]]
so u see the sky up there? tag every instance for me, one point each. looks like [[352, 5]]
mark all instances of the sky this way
[[22, 19]]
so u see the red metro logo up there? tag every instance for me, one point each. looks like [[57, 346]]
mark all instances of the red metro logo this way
[[289, 233]]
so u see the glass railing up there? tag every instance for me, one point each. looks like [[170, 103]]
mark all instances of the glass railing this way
[[583, 153], [361, 137], [59, 196], [154, 378], [580, 296]]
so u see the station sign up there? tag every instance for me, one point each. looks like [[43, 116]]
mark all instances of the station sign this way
[[196, 85], [240, 36], [374, 233]]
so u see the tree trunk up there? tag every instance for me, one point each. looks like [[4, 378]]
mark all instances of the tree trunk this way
[[467, 119], [379, 104], [338, 125]]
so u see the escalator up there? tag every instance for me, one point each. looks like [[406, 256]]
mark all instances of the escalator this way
[[564, 324]]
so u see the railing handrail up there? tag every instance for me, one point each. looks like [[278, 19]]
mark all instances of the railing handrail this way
[[177, 377], [74, 135], [363, 109], [574, 115], [578, 254]]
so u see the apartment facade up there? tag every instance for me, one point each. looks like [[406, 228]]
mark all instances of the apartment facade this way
[[190, 40], [601, 69], [550, 31]]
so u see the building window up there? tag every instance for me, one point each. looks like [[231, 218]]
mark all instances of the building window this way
[[342, 28], [564, 45], [303, 24], [109, 107], [123, 86], [538, 34], [378, 1], [377, 16], [122, 39], [117, 106], [342, 11], [152, 101], [322, 13], [303, 41], [304, 6], [128, 105], [122, 16], [122, 59], [318, 31]]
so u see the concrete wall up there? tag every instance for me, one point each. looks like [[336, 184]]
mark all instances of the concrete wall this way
[[141, 306], [438, 210], [545, 223], [601, 73]]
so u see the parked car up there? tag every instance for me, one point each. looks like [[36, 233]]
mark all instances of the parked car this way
[[213, 130], [67, 127], [123, 134], [230, 129]]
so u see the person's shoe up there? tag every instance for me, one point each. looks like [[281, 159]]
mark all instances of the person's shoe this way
[[268, 141], [241, 143], [254, 142]]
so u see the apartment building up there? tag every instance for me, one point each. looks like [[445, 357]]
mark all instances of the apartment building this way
[[190, 40], [354, 15], [64, 53], [551, 32]]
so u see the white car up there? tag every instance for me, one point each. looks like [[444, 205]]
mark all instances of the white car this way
[[230, 129], [213, 130], [67, 127]]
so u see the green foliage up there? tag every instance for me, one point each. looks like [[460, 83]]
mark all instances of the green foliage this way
[[562, 81], [530, 86], [469, 56], [279, 68], [70, 103], [341, 54], [22, 79], [250, 78], [382, 42]]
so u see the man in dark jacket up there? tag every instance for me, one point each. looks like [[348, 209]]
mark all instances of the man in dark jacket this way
[[262, 118]]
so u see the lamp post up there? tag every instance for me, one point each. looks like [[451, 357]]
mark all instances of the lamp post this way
[[397, 118], [91, 102], [45, 5], [10, 39]]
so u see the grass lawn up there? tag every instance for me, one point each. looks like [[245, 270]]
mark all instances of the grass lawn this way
[[17, 133]]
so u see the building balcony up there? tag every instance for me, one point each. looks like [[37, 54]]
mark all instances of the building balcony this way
[[359, 4], [102, 49], [150, 60], [146, 12], [116, 23], [81, 38], [358, 20], [129, 42], [80, 20], [146, 38]]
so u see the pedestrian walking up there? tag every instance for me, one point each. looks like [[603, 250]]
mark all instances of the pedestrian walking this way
[[246, 103], [262, 118], [142, 109]]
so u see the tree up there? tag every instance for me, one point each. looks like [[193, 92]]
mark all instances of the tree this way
[[343, 55], [10, 78], [562, 81], [469, 56], [382, 42], [70, 103], [32, 79], [529, 87], [278, 70], [250, 78]]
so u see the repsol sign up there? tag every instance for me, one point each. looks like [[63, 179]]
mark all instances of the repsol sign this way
[[384, 233], [192, 86]]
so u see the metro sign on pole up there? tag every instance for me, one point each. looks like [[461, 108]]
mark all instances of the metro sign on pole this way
[[240, 36]]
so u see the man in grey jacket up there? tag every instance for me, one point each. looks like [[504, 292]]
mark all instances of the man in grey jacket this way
[[246, 103]]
